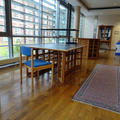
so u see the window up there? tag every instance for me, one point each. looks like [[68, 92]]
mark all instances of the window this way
[[4, 49], [48, 20], [2, 16], [25, 22], [72, 22], [82, 20], [25, 17], [4, 53], [31, 20], [63, 23]]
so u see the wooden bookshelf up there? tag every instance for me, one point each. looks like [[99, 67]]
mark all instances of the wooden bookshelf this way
[[105, 34], [91, 47]]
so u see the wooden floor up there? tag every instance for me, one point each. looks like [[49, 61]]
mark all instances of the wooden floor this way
[[46, 103]]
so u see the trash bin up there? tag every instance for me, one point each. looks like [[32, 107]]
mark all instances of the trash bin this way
[[117, 54], [117, 51]]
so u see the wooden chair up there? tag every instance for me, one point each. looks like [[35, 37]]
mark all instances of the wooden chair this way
[[33, 64]]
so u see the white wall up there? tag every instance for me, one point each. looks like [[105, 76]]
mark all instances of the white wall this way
[[104, 20], [89, 27]]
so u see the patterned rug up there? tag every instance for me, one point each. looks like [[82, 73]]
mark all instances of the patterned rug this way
[[102, 88]]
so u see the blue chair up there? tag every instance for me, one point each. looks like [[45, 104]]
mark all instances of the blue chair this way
[[33, 64]]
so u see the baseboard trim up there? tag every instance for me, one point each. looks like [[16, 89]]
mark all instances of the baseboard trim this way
[[9, 61], [8, 65]]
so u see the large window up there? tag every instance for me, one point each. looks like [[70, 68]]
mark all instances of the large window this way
[[31, 22], [72, 22], [25, 17], [25, 22], [48, 20], [63, 22], [82, 21], [2, 16], [4, 50]]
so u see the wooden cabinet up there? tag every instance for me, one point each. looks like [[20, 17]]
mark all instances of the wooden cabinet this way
[[85, 45], [105, 34], [91, 47]]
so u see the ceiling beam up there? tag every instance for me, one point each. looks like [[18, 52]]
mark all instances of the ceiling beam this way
[[104, 8], [100, 8]]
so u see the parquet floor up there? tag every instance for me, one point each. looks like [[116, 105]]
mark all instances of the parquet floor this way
[[46, 103]]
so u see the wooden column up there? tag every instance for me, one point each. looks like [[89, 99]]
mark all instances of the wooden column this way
[[76, 21]]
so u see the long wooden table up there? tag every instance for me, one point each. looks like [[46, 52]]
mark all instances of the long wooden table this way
[[62, 50]]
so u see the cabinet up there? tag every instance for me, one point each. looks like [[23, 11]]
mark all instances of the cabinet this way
[[90, 47], [105, 34]]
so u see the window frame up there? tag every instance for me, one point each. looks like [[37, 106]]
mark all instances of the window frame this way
[[9, 28], [7, 19]]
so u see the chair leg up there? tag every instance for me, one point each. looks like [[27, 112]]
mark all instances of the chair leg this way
[[20, 66], [21, 74], [52, 75], [38, 75], [27, 72], [32, 72]]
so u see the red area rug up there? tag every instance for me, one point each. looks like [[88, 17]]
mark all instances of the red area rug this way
[[102, 88]]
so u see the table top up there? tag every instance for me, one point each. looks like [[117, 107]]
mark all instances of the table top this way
[[55, 47]]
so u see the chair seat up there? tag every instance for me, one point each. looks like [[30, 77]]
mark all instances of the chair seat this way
[[37, 63]]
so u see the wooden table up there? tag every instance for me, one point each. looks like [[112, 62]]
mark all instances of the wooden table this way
[[62, 50]]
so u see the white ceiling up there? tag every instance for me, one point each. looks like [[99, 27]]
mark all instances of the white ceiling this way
[[97, 4], [74, 2], [101, 3], [102, 12]]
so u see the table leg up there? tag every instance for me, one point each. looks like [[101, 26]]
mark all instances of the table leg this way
[[43, 54], [36, 56], [63, 67], [68, 61], [27, 71], [81, 56], [49, 55], [59, 66], [75, 58], [37, 72], [71, 59]]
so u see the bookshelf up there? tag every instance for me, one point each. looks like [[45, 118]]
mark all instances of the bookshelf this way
[[91, 47], [105, 34]]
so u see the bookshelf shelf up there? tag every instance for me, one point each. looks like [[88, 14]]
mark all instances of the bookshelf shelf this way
[[105, 34], [92, 47]]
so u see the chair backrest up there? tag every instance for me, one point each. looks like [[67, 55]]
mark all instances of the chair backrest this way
[[25, 51], [71, 43]]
